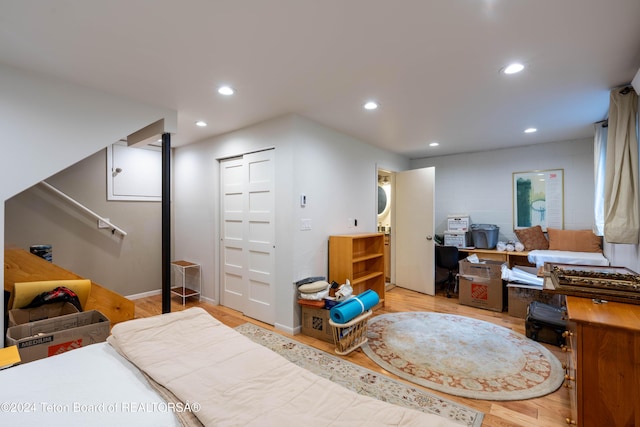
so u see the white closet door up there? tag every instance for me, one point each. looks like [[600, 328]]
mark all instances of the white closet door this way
[[234, 290], [248, 237]]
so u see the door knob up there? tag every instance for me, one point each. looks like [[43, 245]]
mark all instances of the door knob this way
[[429, 237]]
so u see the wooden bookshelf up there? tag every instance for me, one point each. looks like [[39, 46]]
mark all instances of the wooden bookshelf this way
[[360, 258]]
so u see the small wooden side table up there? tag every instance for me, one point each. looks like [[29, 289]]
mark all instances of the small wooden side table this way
[[187, 280]]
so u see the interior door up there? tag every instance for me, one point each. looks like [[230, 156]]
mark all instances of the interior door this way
[[414, 225], [248, 236]]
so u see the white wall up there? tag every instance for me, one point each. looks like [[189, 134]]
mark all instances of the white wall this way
[[480, 184], [49, 124], [337, 173]]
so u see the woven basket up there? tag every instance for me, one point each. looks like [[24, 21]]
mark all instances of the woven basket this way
[[351, 335]]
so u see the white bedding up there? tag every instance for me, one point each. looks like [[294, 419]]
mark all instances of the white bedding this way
[[237, 382], [89, 386], [539, 257]]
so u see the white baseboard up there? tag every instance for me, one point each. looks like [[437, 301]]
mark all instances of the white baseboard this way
[[208, 300], [159, 292], [144, 294], [287, 329]]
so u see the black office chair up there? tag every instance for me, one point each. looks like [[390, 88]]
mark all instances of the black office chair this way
[[447, 259]]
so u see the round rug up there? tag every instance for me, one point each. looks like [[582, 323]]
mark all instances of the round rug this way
[[462, 356]]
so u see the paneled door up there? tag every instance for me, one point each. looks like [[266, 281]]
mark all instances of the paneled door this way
[[247, 235], [414, 209]]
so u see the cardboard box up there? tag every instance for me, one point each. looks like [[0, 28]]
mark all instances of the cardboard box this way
[[315, 323], [20, 316], [459, 239], [481, 285], [458, 223], [44, 338], [520, 296]]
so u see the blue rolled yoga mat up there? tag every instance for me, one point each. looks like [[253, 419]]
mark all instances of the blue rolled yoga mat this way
[[354, 306]]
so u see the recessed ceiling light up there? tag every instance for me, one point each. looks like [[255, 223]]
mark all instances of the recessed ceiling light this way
[[434, 144], [201, 123], [530, 130], [226, 90], [513, 68], [371, 105]]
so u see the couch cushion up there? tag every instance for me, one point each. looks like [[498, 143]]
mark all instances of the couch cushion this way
[[573, 240], [532, 238]]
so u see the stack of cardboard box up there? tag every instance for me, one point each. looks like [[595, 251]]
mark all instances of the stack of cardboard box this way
[[458, 231]]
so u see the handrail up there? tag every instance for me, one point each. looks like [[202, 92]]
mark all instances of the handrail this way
[[84, 208]]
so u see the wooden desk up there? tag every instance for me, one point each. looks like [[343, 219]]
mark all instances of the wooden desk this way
[[603, 363], [23, 266], [511, 258]]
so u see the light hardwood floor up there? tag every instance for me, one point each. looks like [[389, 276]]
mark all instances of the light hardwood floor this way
[[546, 411]]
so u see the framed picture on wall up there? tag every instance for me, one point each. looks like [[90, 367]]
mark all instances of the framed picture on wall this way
[[538, 199]]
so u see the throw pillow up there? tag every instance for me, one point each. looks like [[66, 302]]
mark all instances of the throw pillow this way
[[532, 238], [573, 240]]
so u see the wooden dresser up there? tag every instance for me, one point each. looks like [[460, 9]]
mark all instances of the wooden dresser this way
[[603, 363]]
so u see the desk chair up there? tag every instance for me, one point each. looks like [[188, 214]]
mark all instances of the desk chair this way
[[447, 258]]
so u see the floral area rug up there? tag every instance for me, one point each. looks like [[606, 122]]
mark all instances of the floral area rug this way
[[359, 379], [462, 356]]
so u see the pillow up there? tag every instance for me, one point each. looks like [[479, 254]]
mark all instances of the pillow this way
[[312, 288], [532, 238], [573, 240]]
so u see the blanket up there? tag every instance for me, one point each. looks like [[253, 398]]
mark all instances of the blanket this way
[[232, 381], [539, 257]]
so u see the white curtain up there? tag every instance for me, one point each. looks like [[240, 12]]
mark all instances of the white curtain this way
[[599, 161], [621, 219]]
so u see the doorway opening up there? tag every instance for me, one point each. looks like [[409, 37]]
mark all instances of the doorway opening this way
[[385, 221]]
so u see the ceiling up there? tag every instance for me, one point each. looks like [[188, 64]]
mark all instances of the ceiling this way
[[433, 66]]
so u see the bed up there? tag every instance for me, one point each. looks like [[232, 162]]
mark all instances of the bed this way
[[185, 368], [539, 257], [562, 246]]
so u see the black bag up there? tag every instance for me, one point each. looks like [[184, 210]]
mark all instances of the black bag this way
[[59, 294], [546, 323]]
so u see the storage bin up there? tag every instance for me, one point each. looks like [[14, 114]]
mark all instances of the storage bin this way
[[485, 236]]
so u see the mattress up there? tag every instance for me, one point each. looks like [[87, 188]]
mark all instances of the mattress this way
[[237, 382], [151, 369], [89, 386], [539, 257]]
